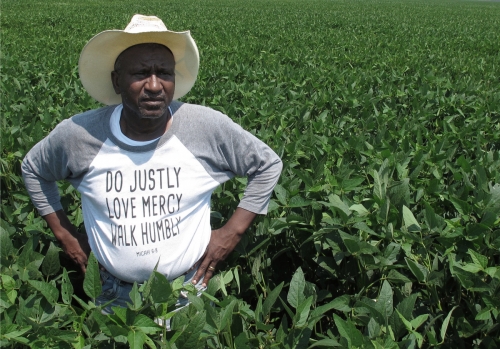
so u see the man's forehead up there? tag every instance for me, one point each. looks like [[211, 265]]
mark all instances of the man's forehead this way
[[134, 53], [146, 47]]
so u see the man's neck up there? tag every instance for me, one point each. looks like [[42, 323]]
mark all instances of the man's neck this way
[[144, 129]]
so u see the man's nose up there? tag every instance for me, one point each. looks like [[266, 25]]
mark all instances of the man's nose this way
[[153, 84]]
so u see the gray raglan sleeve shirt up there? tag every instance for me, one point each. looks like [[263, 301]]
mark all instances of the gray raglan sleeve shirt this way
[[221, 146], [148, 206]]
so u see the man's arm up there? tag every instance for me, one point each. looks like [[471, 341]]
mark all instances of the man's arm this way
[[222, 243], [45, 196], [74, 244], [222, 147]]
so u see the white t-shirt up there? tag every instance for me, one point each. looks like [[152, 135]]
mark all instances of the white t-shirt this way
[[147, 204]]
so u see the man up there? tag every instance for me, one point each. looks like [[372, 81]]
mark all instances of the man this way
[[146, 164]]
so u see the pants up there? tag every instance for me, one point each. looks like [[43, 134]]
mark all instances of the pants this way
[[117, 291]]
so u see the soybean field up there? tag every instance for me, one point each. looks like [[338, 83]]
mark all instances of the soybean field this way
[[384, 228]]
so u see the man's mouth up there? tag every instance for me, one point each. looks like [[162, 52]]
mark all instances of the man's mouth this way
[[153, 102]]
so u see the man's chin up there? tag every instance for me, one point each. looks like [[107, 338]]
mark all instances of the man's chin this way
[[153, 114]]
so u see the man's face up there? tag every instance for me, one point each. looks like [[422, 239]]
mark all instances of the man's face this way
[[144, 76]]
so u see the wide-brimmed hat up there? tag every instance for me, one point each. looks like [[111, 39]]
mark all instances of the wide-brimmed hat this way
[[99, 55]]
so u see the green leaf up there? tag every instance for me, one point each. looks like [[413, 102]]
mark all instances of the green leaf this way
[[145, 288], [298, 201], [399, 192], [227, 315], [391, 252], [419, 320], [304, 176], [149, 342], [222, 284], [337, 202], [135, 297], [50, 293], [445, 324], [494, 201], [472, 268], [237, 278], [281, 194], [418, 270], [462, 161], [190, 336], [84, 305], [270, 300], [102, 321], [360, 209], [478, 259], [483, 315], [351, 183], [373, 328], [146, 325], [405, 308], [410, 222], [17, 333], [124, 315], [6, 247], [364, 227], [370, 306], [297, 285], [419, 338], [353, 246], [258, 308], [396, 277], [287, 308], [12, 296], [8, 283], [51, 265], [461, 206], [92, 282], [136, 339], [385, 301], [302, 313], [494, 272], [341, 303], [5, 301], [407, 323], [177, 284], [326, 343], [66, 288], [160, 288], [319, 312], [348, 331], [379, 189], [196, 301], [28, 255], [433, 221]]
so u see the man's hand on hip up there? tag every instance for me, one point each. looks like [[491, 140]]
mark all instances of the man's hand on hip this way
[[74, 244], [222, 243]]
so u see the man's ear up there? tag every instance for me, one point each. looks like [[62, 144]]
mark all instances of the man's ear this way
[[115, 80]]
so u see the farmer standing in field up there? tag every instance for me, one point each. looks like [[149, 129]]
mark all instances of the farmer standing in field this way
[[146, 164]]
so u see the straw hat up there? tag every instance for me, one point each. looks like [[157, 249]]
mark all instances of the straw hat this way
[[99, 55]]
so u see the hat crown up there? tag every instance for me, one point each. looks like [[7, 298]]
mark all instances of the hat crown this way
[[142, 24], [99, 55]]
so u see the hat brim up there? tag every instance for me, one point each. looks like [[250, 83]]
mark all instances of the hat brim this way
[[99, 55]]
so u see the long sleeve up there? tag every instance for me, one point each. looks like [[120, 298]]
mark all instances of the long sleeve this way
[[225, 149], [65, 153]]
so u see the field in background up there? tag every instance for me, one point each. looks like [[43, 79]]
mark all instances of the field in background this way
[[384, 230]]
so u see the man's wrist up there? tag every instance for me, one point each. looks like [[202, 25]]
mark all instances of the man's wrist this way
[[239, 222], [64, 235]]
